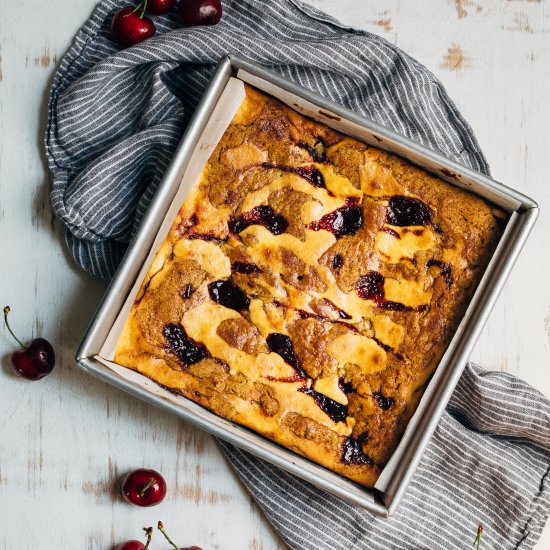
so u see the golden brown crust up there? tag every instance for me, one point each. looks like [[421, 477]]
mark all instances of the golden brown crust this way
[[308, 288]]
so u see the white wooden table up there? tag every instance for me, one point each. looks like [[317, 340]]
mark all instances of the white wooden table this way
[[66, 440]]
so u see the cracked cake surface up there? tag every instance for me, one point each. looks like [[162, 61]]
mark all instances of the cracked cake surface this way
[[308, 287]]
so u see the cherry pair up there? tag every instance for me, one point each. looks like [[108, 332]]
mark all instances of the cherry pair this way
[[137, 545], [130, 26]]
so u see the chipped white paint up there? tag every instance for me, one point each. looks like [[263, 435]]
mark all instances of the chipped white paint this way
[[65, 441]]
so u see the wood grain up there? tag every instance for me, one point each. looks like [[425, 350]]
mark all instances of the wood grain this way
[[66, 441]]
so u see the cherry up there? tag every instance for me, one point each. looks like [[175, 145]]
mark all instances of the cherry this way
[[136, 544], [144, 487], [128, 27], [34, 361], [159, 7], [200, 12], [132, 545]]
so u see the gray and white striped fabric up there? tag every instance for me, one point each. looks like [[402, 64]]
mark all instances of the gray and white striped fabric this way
[[115, 118], [488, 463]]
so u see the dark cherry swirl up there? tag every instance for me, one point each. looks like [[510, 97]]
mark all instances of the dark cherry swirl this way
[[371, 287], [318, 150], [309, 173], [352, 451], [346, 220], [446, 270], [260, 215], [187, 350], [228, 294], [383, 402], [245, 268], [403, 211], [336, 411], [281, 344]]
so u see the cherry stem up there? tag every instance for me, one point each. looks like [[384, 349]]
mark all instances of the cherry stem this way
[[148, 486], [161, 529], [478, 536], [143, 5], [149, 533], [6, 311]]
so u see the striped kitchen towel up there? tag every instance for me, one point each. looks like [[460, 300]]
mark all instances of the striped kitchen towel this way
[[115, 118], [487, 464]]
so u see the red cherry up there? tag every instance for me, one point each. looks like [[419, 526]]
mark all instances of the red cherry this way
[[200, 12], [136, 544], [34, 361], [129, 26], [159, 7], [132, 545], [144, 487]]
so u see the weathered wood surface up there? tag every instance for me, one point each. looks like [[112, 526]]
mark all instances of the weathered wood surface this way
[[65, 442]]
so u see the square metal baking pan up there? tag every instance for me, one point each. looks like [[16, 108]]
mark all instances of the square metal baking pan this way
[[523, 212]]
